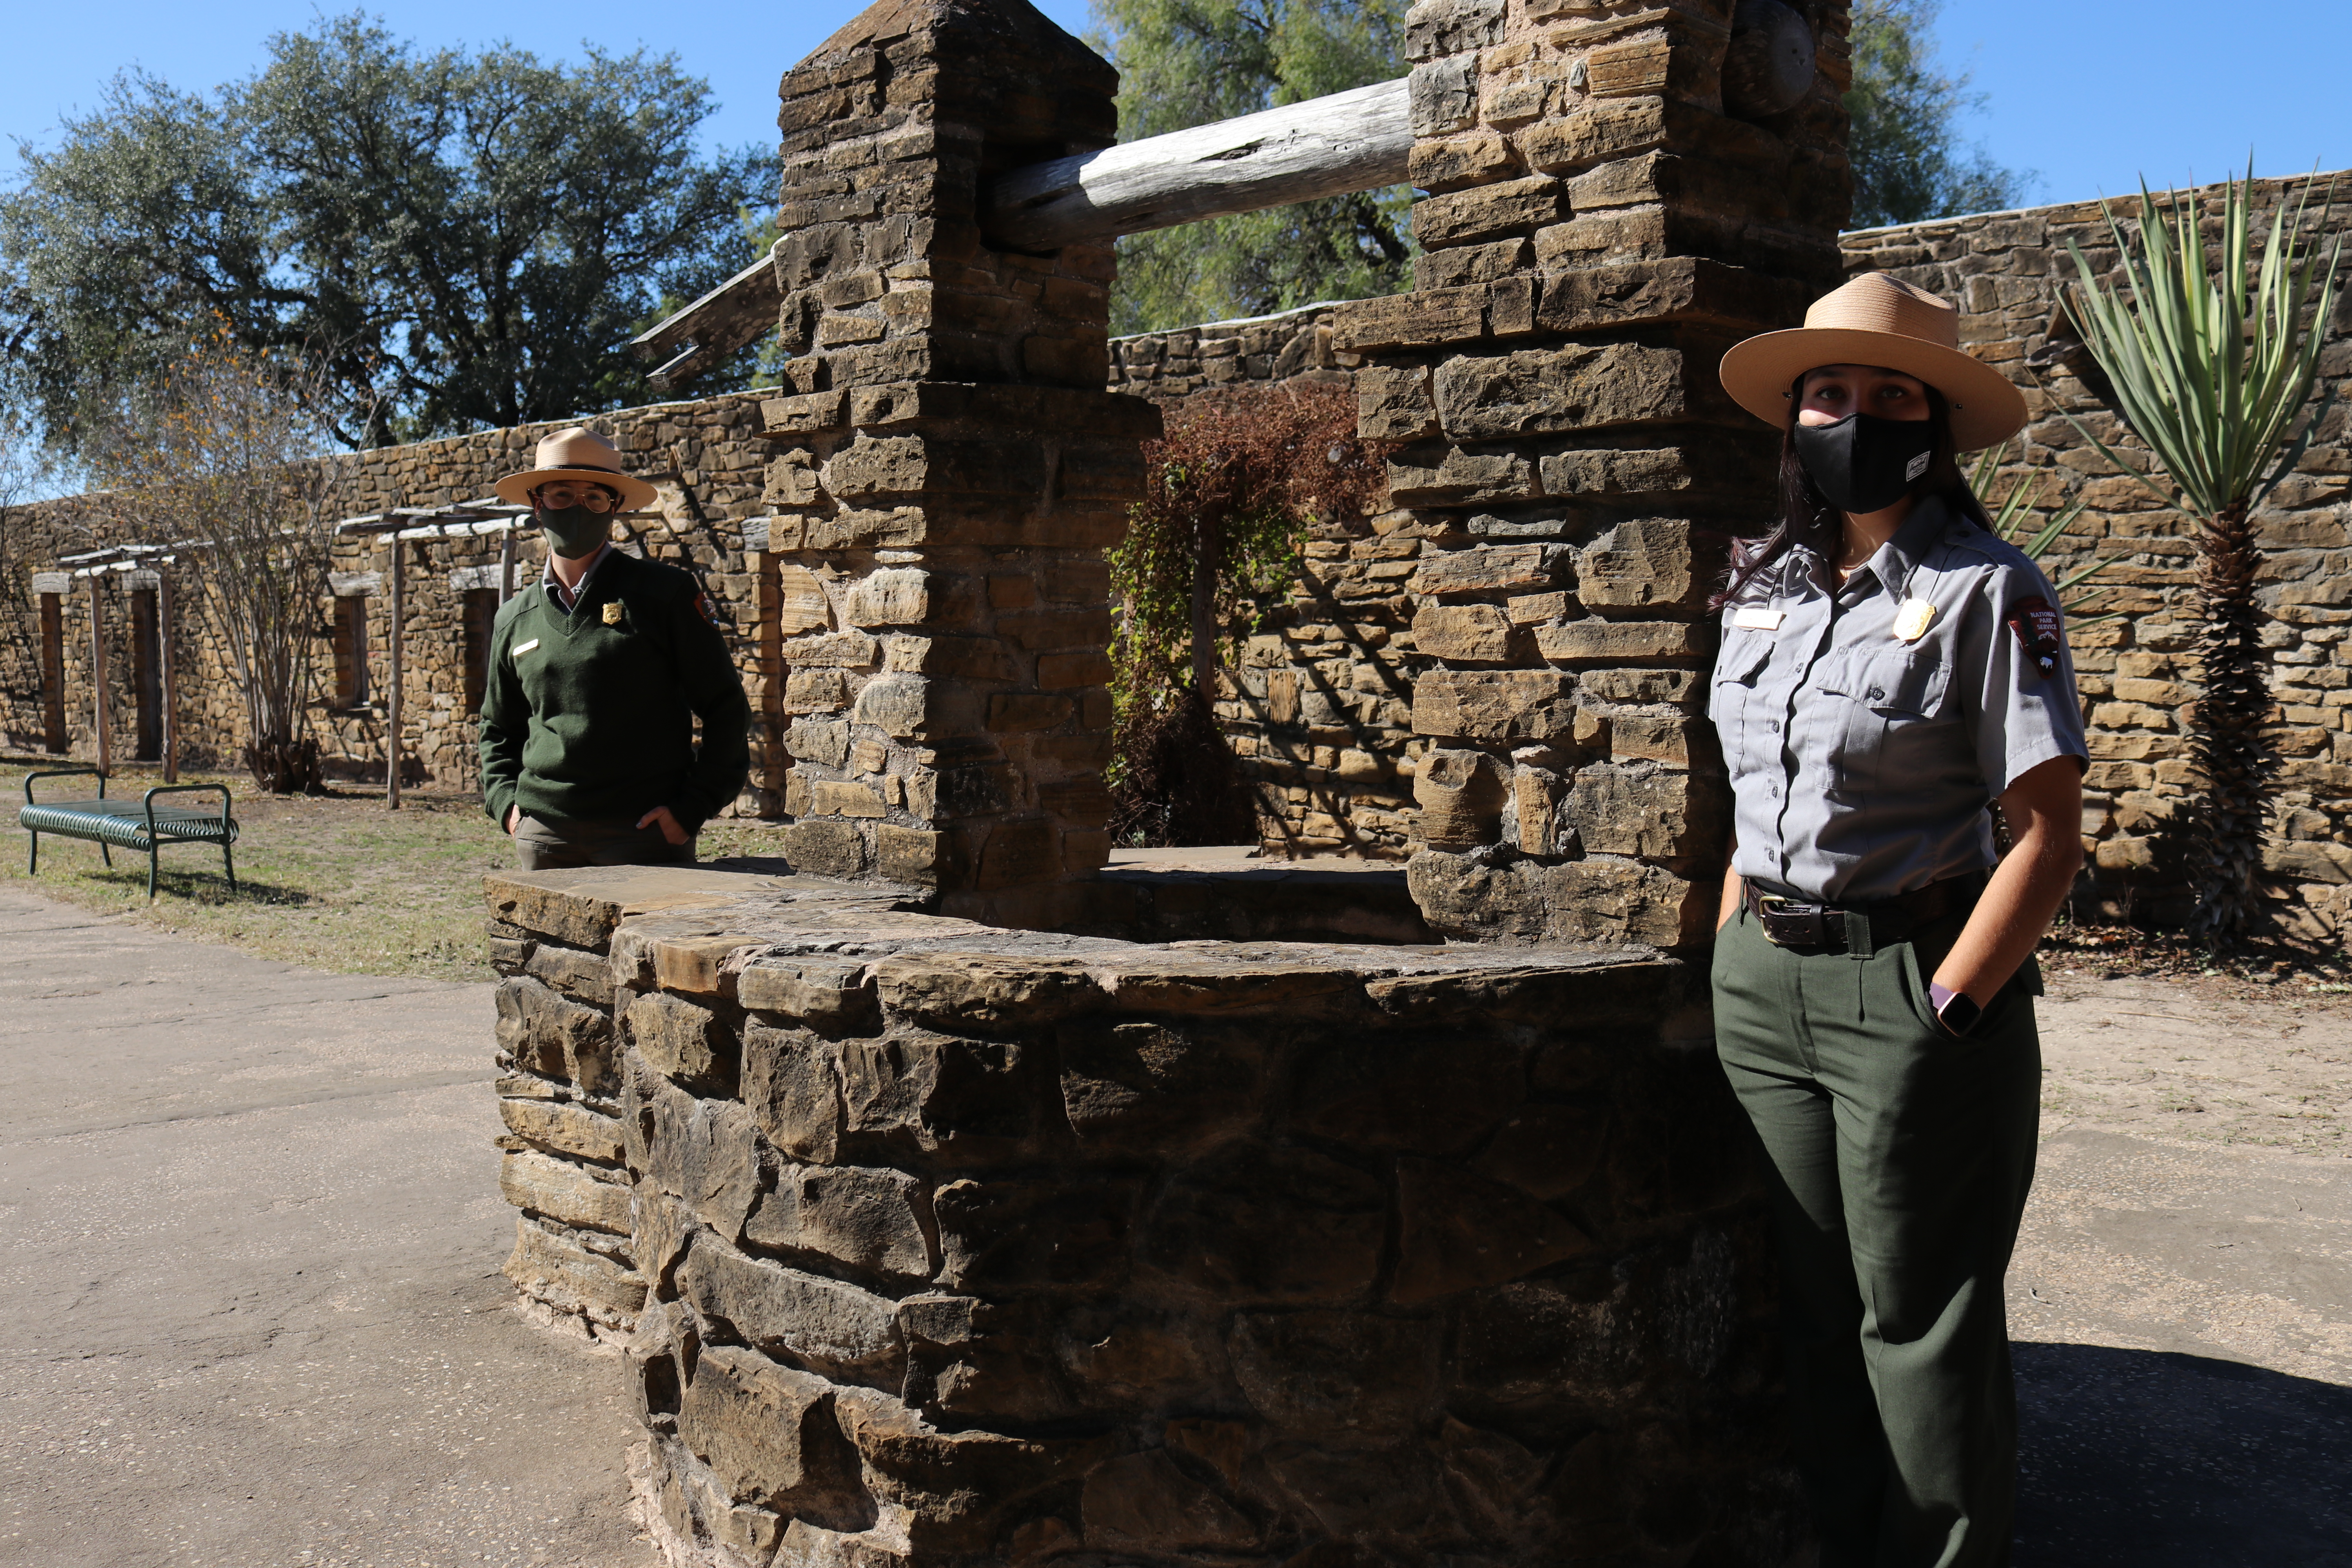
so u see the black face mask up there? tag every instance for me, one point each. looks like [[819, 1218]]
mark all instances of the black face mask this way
[[1863, 463], [574, 531]]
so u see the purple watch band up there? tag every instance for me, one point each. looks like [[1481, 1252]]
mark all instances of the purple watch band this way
[[1939, 994]]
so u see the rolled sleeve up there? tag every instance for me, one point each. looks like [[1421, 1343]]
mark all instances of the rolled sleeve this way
[[2019, 717]]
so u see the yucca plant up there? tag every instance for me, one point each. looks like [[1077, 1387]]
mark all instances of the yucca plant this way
[[2011, 521], [2212, 366]]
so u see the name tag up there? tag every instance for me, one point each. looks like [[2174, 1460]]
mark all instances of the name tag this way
[[1754, 619], [1912, 620], [522, 648]]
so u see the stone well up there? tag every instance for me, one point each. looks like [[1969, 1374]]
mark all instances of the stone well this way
[[929, 1242]]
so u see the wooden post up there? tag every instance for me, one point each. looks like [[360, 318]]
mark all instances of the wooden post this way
[[166, 644], [507, 563], [392, 700], [98, 672]]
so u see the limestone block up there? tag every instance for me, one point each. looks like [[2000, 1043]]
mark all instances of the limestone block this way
[[917, 1093], [1049, 629], [1459, 1231], [815, 691], [874, 1221], [985, 991], [1496, 705], [1598, 899], [825, 847], [828, 799], [792, 1084], [910, 854], [951, 1488], [563, 1191], [1423, 475], [1743, 464], [1461, 795], [1468, 633], [1144, 1503], [913, 706], [1625, 642], [1534, 825], [971, 657], [683, 1040], [1548, 1150], [1490, 568], [801, 603], [848, 1334], [1394, 403], [1256, 1223], [567, 1129], [793, 481], [834, 994], [1676, 740], [1683, 688], [844, 650], [1450, 163], [1658, 814], [997, 1234], [891, 596], [1483, 211], [1436, 27], [1443, 94], [1422, 320], [768, 1433], [551, 1267], [1143, 1087], [1570, 387], [1643, 564], [1326, 1371], [661, 1227], [549, 1035], [584, 977], [822, 741]]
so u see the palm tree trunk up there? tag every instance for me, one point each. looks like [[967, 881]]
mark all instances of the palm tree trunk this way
[[2229, 744]]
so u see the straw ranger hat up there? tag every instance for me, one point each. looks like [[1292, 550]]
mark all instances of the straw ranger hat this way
[[1880, 321], [578, 453]]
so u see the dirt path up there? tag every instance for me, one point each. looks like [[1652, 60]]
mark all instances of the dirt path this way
[[252, 1312], [2182, 1295]]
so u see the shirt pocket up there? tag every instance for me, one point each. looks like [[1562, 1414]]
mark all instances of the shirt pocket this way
[[1894, 723], [1732, 702]]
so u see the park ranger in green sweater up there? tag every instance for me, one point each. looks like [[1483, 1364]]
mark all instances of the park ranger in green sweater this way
[[597, 673]]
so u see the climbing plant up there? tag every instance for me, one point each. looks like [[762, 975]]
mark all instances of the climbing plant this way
[[1235, 484]]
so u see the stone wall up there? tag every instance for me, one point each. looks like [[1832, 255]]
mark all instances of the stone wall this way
[[930, 1242], [1324, 720]]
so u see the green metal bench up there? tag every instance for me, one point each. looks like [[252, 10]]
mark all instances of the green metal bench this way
[[127, 824]]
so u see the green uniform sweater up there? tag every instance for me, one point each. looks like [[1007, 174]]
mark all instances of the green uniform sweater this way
[[589, 717]]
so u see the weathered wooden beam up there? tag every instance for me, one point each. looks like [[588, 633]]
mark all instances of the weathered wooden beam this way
[[716, 325], [1354, 141]]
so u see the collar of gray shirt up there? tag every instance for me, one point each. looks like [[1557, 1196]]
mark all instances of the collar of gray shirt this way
[[1891, 564], [568, 597]]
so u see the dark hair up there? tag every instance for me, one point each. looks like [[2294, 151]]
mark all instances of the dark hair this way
[[1808, 519]]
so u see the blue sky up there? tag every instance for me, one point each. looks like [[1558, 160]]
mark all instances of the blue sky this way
[[2092, 96]]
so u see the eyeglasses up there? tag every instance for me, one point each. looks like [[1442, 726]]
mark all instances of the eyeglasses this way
[[560, 496]]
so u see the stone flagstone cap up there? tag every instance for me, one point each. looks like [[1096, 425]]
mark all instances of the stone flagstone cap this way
[[1877, 319]]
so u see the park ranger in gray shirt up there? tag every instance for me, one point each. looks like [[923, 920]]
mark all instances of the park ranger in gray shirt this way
[[1889, 670]]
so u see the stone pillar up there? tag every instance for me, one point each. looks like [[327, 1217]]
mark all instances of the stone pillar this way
[[948, 467], [1597, 229]]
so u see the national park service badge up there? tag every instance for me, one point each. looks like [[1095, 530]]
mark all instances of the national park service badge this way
[[612, 612]]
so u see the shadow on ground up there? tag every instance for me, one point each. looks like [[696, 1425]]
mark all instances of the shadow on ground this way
[[2152, 1459]]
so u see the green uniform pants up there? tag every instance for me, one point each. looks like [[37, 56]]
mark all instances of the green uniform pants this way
[[1900, 1159]]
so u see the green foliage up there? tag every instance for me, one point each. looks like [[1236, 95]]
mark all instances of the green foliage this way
[[1235, 486], [2014, 518], [2211, 365], [460, 240], [2211, 368], [1190, 62], [1908, 165]]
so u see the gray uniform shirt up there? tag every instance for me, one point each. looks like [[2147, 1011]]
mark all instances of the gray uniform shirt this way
[[1861, 764]]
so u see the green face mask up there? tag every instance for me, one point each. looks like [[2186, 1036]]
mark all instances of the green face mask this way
[[574, 531]]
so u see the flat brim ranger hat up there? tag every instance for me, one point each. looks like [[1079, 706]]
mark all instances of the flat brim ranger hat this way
[[577, 454], [1879, 321]]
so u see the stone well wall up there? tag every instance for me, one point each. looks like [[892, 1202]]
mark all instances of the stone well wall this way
[[931, 1242]]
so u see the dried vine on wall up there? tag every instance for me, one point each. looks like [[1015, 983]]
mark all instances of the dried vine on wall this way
[[1234, 484]]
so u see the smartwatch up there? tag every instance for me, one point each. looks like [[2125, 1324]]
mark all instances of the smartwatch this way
[[1954, 1009]]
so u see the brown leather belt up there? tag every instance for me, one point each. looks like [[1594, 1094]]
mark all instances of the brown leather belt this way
[[1789, 922]]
